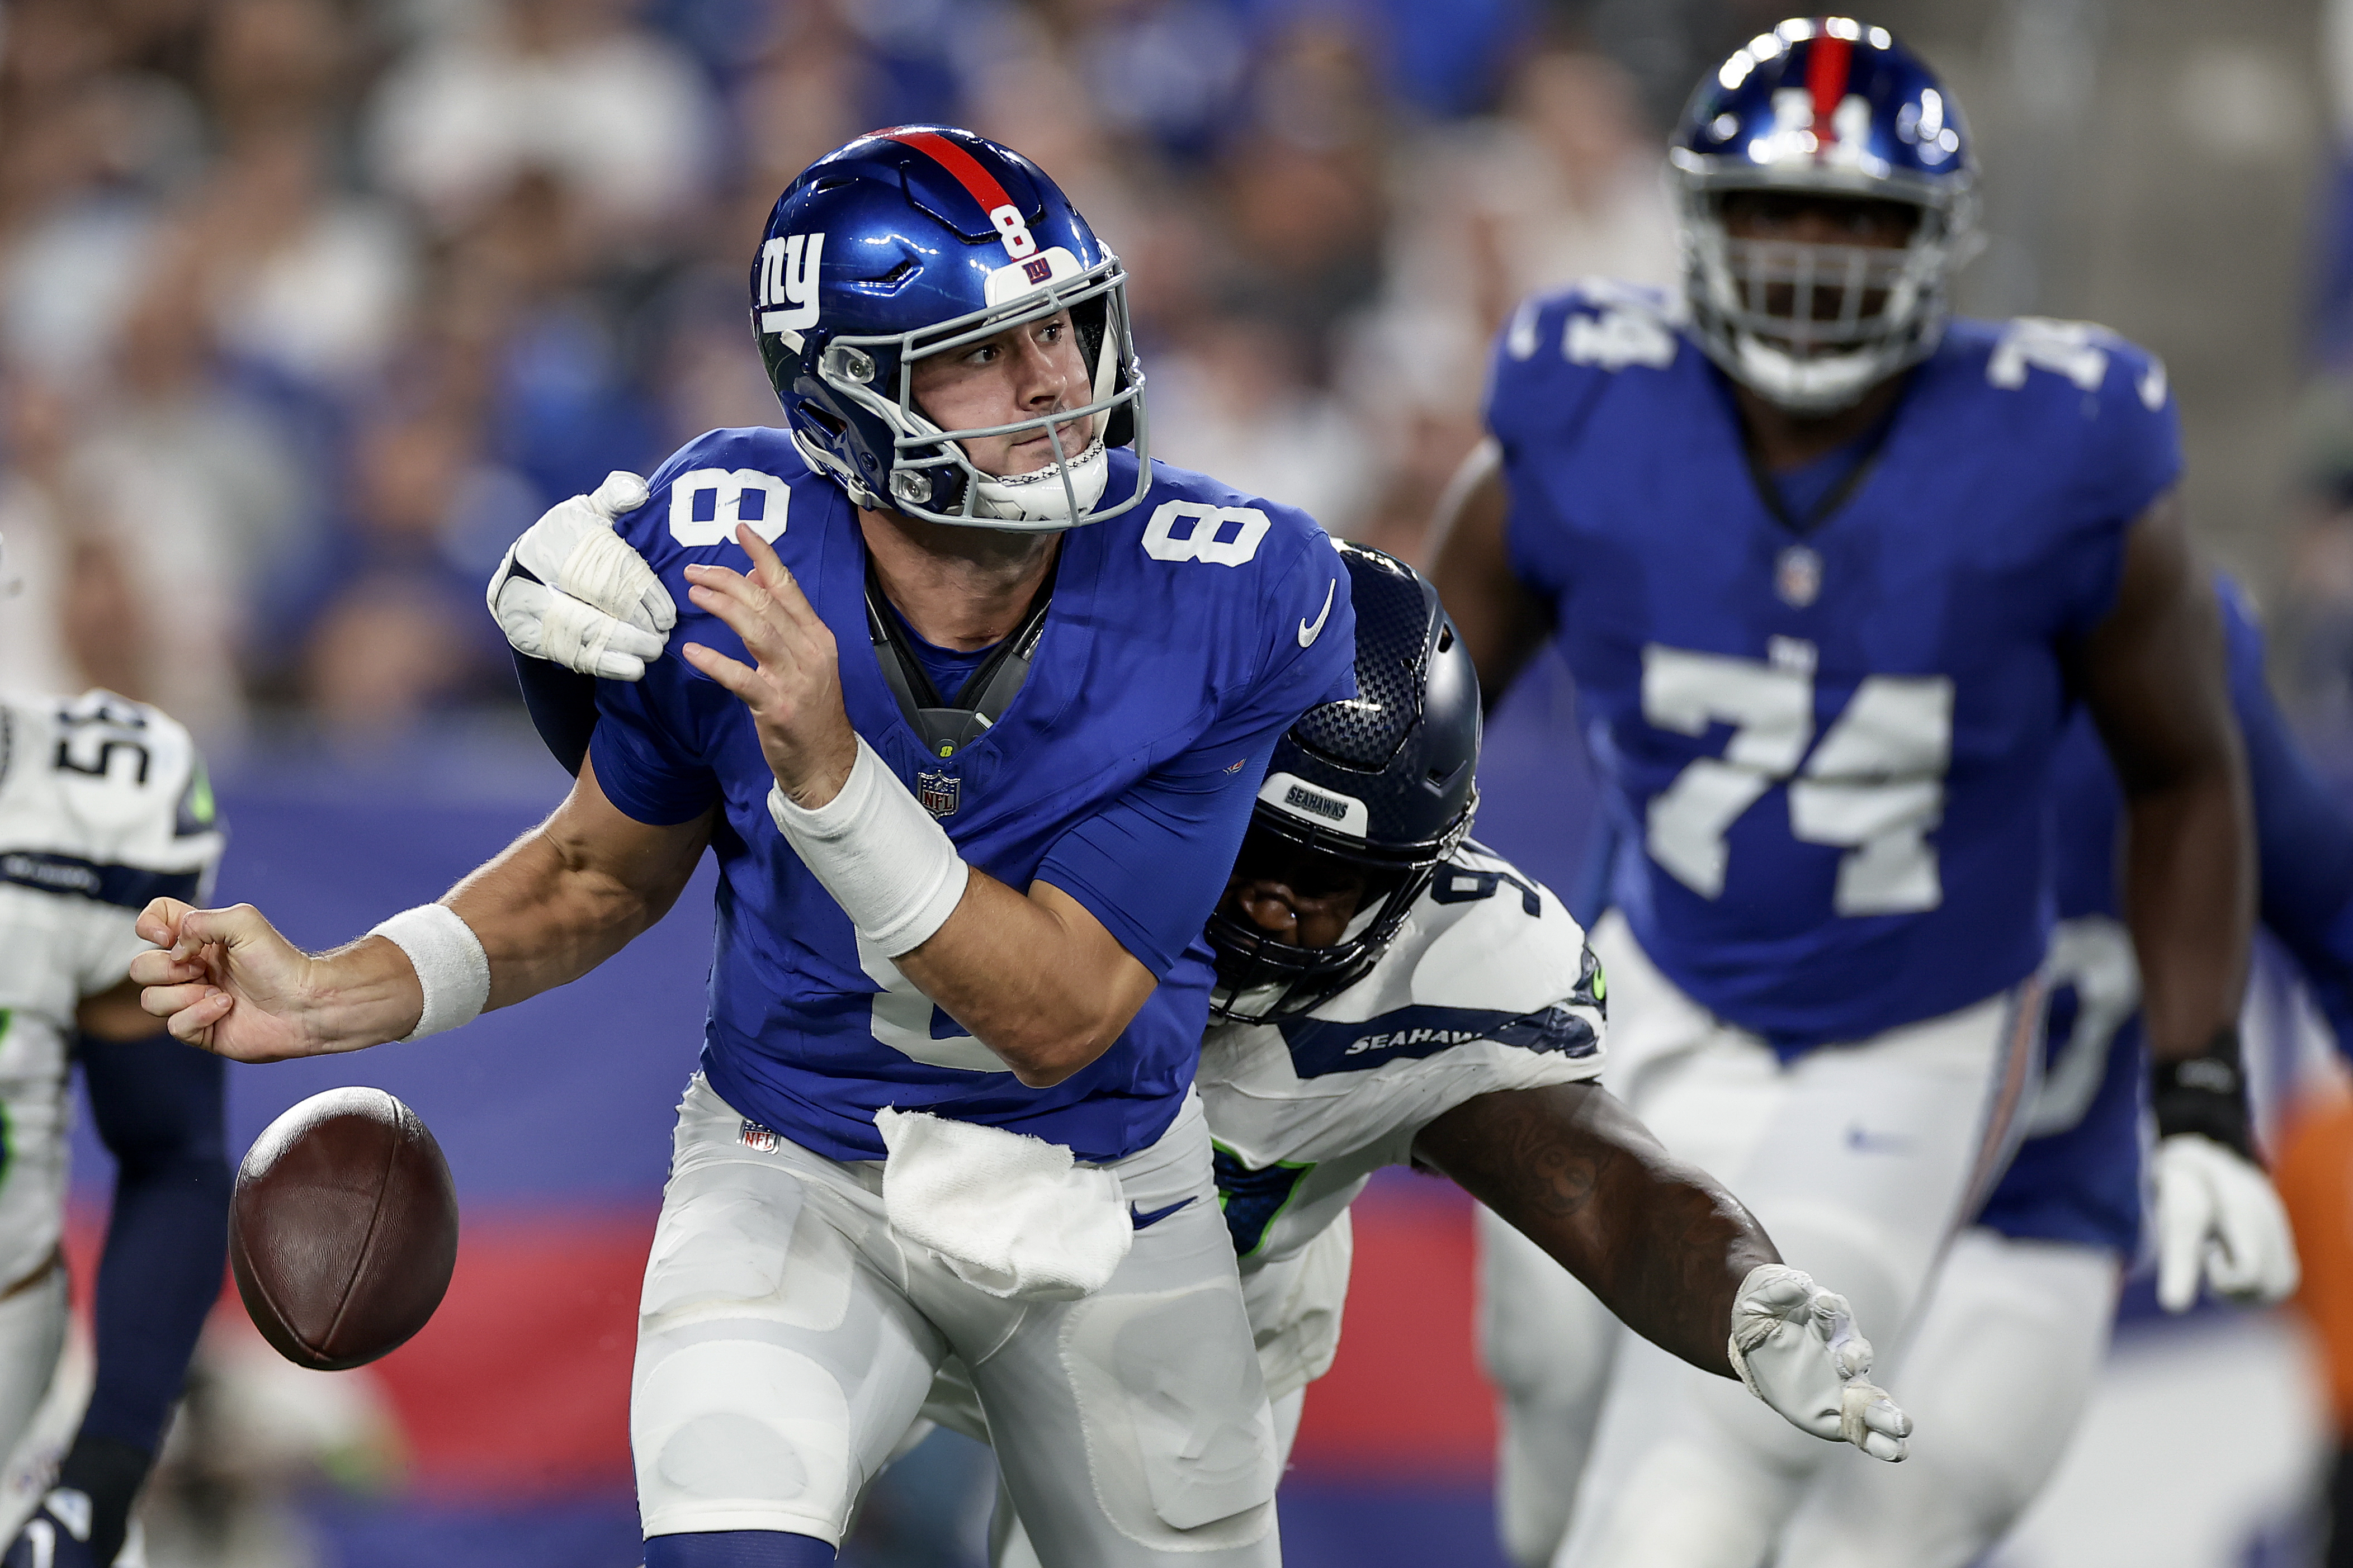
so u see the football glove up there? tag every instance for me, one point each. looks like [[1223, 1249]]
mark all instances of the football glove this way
[[571, 591], [57, 1536], [2219, 1219], [1796, 1347]]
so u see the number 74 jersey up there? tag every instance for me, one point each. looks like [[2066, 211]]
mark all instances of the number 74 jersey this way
[[1825, 753]]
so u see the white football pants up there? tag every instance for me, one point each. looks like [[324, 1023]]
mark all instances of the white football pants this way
[[1995, 1377], [1857, 1159], [787, 1341]]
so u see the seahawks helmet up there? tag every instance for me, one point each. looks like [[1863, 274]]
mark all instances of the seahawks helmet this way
[[1822, 105], [924, 240], [1383, 782]]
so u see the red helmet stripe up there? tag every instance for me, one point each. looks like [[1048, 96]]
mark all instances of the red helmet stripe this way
[[1826, 72], [957, 161]]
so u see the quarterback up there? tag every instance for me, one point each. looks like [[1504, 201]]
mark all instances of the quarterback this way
[[971, 700], [1831, 574]]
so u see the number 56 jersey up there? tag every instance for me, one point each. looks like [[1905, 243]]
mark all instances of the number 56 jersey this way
[[1825, 752], [104, 804]]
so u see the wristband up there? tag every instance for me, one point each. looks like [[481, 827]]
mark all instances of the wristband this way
[[886, 861], [2205, 1095], [450, 965]]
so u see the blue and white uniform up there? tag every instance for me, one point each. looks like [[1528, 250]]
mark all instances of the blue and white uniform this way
[[1823, 747], [1998, 1371], [787, 1337]]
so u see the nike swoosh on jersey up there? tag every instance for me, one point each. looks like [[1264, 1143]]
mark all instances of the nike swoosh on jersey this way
[[1144, 1220], [1307, 634]]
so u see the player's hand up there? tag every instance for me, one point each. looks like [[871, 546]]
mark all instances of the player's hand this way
[[2218, 1217], [1796, 1346], [795, 692], [225, 981], [572, 591], [57, 1536]]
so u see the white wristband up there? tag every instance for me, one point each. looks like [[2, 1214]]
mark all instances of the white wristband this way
[[450, 965], [886, 861]]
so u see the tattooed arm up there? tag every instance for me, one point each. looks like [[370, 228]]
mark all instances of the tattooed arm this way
[[1659, 1241]]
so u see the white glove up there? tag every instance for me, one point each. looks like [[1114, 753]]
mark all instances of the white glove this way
[[1795, 1345], [2218, 1216], [596, 605]]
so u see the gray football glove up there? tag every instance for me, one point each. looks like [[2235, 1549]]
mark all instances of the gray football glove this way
[[1795, 1345], [571, 591]]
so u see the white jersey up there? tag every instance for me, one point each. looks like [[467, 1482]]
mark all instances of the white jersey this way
[[1488, 986], [104, 804]]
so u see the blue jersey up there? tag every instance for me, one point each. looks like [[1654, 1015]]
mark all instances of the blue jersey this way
[[1182, 639], [2078, 1175], [1824, 753]]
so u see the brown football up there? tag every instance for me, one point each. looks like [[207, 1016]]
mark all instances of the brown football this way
[[344, 1230]]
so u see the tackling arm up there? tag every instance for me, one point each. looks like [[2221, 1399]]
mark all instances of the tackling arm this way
[[1568, 1165], [1499, 620], [554, 904]]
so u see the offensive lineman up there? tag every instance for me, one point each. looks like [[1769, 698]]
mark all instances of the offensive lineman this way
[[104, 804], [1828, 576], [937, 1114], [2016, 1321]]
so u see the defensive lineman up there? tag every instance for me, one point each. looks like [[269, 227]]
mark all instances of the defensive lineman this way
[[1827, 575], [105, 804], [2015, 1324], [950, 343]]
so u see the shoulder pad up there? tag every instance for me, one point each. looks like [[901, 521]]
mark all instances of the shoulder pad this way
[[715, 481], [1599, 322], [112, 782], [2084, 353]]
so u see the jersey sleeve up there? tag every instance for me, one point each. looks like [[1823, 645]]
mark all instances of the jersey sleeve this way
[[2131, 454], [1305, 654], [645, 768], [2304, 836]]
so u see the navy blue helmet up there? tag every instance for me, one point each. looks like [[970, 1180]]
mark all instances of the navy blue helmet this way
[[1822, 105], [1384, 783], [923, 240]]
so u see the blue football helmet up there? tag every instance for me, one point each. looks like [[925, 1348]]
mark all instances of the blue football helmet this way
[[1822, 105], [923, 240], [1384, 783]]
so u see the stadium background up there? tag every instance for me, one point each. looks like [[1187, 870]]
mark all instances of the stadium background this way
[[307, 307]]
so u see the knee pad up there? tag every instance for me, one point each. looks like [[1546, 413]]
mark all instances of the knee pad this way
[[737, 1549]]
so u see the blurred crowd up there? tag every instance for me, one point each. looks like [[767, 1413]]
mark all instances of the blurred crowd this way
[[307, 307]]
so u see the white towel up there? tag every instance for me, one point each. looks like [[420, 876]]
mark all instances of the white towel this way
[[1013, 1215]]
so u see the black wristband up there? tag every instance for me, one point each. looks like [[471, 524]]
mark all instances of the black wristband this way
[[2206, 1095], [109, 1472]]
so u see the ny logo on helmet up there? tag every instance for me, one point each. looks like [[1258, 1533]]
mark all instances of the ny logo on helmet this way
[[788, 277]]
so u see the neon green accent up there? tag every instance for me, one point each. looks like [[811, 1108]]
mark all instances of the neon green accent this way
[[200, 796]]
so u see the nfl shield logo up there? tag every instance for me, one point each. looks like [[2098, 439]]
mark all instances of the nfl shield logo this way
[[1797, 576], [758, 1139], [938, 791]]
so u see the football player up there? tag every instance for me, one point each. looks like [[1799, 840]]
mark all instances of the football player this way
[[1389, 994], [944, 1101], [104, 804], [1831, 574], [2016, 1324]]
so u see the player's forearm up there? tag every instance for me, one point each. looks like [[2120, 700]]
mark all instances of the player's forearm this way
[[548, 910], [1035, 978], [1659, 1241], [2189, 900]]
